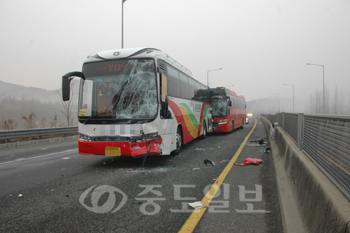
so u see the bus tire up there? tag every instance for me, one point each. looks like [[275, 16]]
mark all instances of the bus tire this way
[[204, 135], [233, 126], [242, 123], [178, 142]]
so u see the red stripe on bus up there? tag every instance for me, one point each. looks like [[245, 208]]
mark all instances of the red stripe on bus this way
[[186, 136]]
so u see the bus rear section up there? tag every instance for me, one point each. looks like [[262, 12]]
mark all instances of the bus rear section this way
[[125, 108], [228, 110]]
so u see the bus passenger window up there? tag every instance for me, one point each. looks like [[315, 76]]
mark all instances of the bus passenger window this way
[[174, 83]]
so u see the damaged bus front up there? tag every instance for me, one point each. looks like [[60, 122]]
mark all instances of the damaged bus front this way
[[228, 110], [121, 109]]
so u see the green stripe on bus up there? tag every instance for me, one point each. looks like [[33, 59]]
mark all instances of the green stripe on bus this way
[[205, 114], [191, 115]]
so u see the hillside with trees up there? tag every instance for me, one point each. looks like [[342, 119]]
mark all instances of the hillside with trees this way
[[27, 107]]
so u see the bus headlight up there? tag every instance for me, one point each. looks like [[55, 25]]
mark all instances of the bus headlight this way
[[145, 137], [223, 121], [151, 136], [85, 138]]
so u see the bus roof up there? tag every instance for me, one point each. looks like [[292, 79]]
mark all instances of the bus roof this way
[[137, 53], [219, 90]]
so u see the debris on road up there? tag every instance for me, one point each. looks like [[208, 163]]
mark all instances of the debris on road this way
[[199, 149], [224, 161], [249, 161], [197, 205], [20, 195], [208, 162], [260, 141], [195, 169], [267, 150]]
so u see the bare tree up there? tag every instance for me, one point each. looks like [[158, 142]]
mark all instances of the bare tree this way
[[341, 104], [68, 106], [8, 124], [327, 101], [30, 120], [53, 123], [348, 105], [43, 122]]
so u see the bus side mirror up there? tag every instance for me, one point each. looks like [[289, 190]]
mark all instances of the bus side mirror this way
[[66, 79], [66, 88], [230, 103]]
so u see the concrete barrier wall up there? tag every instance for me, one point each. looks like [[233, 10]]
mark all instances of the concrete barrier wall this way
[[322, 207]]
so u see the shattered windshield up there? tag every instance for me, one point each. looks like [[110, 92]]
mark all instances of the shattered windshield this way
[[219, 105], [119, 89], [202, 95]]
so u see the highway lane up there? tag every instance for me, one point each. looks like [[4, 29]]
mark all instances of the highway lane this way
[[54, 181]]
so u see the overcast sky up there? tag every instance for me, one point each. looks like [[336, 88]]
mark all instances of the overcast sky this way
[[260, 44]]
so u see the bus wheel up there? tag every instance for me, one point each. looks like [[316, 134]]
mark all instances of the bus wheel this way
[[233, 126], [242, 123], [204, 135], [178, 142]]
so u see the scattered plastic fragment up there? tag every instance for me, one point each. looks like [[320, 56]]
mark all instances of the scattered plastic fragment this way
[[268, 212], [182, 155], [197, 205], [199, 149], [208, 162], [224, 161], [267, 150], [249, 161], [20, 195], [219, 147], [195, 169]]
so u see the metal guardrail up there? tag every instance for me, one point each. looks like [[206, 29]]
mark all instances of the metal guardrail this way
[[325, 139], [28, 133]]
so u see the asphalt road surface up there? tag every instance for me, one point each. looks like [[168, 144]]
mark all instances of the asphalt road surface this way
[[51, 188]]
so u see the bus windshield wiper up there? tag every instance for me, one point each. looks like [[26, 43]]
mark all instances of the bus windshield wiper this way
[[138, 121], [93, 116]]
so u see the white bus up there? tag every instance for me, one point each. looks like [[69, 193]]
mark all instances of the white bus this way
[[134, 102]]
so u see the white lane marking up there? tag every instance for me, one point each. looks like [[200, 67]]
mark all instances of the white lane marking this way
[[22, 159]]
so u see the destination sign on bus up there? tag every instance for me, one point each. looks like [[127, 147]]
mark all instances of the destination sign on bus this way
[[116, 67]]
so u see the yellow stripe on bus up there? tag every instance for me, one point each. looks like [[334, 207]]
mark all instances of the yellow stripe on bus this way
[[188, 122]]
